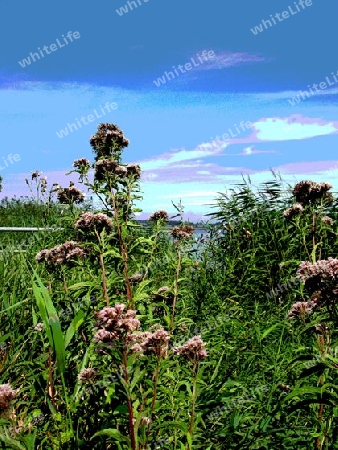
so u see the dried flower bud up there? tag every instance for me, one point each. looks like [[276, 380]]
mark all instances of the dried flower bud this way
[[145, 421], [70, 195], [86, 375], [36, 174], [159, 215], [307, 192], [327, 220], [134, 170], [81, 163], [136, 278]]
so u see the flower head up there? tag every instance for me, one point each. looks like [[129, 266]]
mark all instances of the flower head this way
[[105, 168], [182, 232], [159, 215], [301, 308], [134, 171], [86, 375], [327, 221], [151, 343], [81, 163], [307, 192], [322, 269], [90, 222], [70, 195], [114, 324], [193, 349], [7, 394], [295, 210], [109, 139], [61, 254]]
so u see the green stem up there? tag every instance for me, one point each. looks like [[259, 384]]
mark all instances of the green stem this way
[[103, 270], [157, 371], [178, 268], [134, 445], [123, 252], [194, 397]]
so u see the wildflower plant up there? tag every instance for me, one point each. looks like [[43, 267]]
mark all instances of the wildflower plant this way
[[113, 258], [318, 313]]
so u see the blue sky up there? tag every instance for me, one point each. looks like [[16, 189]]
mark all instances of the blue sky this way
[[251, 78]]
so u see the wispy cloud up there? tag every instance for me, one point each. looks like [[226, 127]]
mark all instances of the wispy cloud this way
[[178, 156], [223, 60], [248, 151]]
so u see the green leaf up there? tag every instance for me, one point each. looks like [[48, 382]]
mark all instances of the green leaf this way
[[13, 306], [269, 330], [302, 391], [73, 327], [112, 252], [214, 375], [51, 321], [15, 445], [112, 433], [189, 439]]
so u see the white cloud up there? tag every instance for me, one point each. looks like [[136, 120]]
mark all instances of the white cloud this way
[[178, 156], [275, 129]]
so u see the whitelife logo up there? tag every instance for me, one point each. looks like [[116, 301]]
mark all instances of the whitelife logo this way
[[70, 35], [225, 136], [295, 100], [10, 159], [188, 66], [124, 9], [285, 15], [90, 119]]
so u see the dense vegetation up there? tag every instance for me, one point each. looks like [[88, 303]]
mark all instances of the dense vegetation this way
[[119, 336]]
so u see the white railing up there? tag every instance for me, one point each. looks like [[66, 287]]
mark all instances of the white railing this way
[[28, 229]]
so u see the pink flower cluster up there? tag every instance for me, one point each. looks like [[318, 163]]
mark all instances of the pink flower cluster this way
[[7, 394], [61, 254], [295, 210], [113, 323], [193, 349], [301, 308], [182, 232], [108, 139], [70, 195], [90, 222], [159, 215], [307, 192], [148, 343], [324, 269]]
